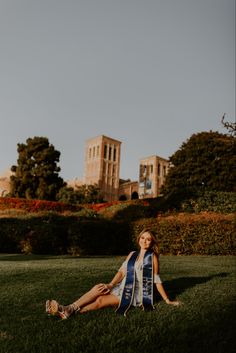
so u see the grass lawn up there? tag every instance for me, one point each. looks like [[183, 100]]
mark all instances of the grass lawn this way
[[205, 322]]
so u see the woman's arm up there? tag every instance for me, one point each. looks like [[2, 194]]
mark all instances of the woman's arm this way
[[116, 279], [159, 285], [119, 275]]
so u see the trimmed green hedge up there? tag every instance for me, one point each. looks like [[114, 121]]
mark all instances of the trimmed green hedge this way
[[188, 234], [99, 237], [33, 234], [57, 234], [204, 234]]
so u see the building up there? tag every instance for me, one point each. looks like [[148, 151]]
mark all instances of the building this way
[[102, 165], [102, 168], [128, 190], [152, 174], [5, 183]]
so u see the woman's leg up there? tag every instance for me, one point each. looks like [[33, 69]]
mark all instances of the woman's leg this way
[[90, 296], [101, 302], [99, 290]]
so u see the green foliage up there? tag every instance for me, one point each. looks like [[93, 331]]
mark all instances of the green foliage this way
[[56, 234], [205, 162], [42, 234], [36, 174], [67, 195], [212, 201], [126, 210], [187, 234], [86, 213], [101, 237], [84, 194]]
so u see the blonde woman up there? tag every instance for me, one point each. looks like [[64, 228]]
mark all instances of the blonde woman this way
[[132, 285]]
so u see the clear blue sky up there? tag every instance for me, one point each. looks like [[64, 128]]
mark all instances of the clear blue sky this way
[[149, 73]]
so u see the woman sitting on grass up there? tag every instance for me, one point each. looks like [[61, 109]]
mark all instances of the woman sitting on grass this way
[[132, 285]]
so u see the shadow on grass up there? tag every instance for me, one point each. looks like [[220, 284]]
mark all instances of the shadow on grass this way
[[178, 286]]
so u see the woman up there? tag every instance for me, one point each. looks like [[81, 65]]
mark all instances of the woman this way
[[131, 286]]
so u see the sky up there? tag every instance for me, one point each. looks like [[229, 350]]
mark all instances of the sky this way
[[149, 73]]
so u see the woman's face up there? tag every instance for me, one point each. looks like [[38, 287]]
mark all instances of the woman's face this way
[[145, 241]]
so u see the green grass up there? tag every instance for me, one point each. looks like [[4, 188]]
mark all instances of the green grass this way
[[204, 323]]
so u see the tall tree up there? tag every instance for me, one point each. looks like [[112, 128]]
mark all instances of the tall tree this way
[[205, 162], [36, 176]]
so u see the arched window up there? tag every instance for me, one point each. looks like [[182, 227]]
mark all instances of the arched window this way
[[134, 195]]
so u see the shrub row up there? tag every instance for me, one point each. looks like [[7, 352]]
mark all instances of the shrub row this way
[[188, 234], [58, 234], [204, 234]]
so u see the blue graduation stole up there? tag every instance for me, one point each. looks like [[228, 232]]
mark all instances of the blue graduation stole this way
[[147, 285]]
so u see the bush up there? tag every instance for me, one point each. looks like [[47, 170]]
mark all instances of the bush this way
[[212, 201], [41, 234], [52, 233], [57, 234], [98, 237], [185, 234], [126, 210]]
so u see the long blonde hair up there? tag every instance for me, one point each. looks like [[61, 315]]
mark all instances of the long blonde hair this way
[[154, 245]]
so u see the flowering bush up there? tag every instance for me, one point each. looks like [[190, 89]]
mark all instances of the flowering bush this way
[[33, 206]]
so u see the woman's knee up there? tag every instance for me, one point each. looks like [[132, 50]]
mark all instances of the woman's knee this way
[[99, 302]]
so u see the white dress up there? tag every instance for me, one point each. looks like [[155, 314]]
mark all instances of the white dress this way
[[137, 298]]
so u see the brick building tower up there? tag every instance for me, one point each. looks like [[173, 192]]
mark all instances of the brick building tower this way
[[102, 165], [152, 174]]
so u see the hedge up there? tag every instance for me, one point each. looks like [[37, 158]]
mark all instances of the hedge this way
[[203, 234], [58, 234], [188, 234]]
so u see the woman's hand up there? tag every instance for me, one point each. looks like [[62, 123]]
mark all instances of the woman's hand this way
[[174, 302], [103, 288]]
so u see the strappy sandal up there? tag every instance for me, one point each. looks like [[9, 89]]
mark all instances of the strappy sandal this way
[[52, 308]]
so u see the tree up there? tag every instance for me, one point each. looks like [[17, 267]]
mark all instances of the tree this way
[[205, 162], [81, 195], [230, 126], [36, 175]]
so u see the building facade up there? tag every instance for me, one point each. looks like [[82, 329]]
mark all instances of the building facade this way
[[102, 168], [5, 183], [128, 190], [102, 165], [152, 174]]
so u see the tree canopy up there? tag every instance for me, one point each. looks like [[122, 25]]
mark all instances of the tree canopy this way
[[205, 162], [81, 195], [36, 175]]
